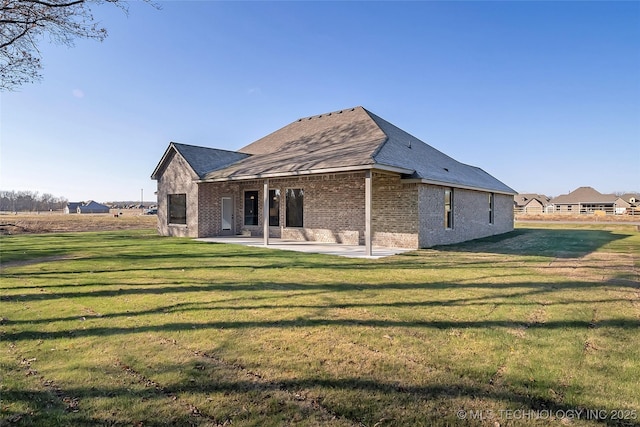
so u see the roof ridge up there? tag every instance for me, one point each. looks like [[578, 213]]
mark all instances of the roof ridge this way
[[317, 116], [386, 136]]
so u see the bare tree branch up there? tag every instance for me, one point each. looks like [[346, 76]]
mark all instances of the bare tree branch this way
[[22, 22]]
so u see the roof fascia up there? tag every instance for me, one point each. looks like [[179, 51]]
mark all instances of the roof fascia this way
[[454, 185], [380, 167]]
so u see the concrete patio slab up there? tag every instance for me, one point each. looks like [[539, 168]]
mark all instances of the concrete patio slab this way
[[349, 251]]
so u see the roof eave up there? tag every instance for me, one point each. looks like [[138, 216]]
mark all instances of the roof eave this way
[[455, 185], [320, 171]]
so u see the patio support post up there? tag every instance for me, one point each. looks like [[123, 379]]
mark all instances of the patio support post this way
[[368, 188], [265, 211]]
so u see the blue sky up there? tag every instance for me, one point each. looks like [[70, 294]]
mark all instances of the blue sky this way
[[545, 96]]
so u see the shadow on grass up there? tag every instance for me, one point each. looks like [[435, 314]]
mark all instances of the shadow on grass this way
[[311, 323], [134, 254], [232, 304], [196, 286], [517, 396], [557, 243]]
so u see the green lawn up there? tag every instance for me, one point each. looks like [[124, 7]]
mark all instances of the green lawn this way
[[128, 328]]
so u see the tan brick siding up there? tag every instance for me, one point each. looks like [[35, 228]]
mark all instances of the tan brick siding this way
[[177, 179], [394, 217], [533, 207], [333, 208], [470, 216], [403, 215]]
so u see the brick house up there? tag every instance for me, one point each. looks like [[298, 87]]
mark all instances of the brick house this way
[[528, 203], [347, 177], [587, 200]]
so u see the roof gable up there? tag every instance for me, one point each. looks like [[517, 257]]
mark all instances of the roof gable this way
[[630, 197], [523, 199]]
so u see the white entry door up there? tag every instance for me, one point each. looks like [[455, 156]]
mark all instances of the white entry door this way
[[227, 216]]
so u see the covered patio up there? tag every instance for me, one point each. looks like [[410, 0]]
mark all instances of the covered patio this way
[[339, 249]]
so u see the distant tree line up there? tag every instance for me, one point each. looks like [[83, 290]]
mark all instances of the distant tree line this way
[[30, 201]]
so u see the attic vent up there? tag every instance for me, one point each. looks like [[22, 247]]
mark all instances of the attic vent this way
[[353, 109], [446, 169], [340, 112]]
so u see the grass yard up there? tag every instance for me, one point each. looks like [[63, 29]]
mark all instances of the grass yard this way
[[538, 327]]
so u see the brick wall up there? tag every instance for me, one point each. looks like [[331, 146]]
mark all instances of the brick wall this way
[[470, 216], [394, 216], [333, 207], [210, 201], [177, 178], [403, 215]]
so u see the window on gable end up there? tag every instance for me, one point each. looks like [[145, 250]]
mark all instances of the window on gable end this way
[[177, 207]]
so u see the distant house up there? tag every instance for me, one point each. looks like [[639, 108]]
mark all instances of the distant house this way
[[347, 177], [586, 200], [72, 207], [631, 198], [528, 203], [89, 207]]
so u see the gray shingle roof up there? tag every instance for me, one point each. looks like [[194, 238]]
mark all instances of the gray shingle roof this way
[[404, 150], [584, 195], [629, 196], [202, 160], [522, 199], [346, 138], [352, 139], [93, 207]]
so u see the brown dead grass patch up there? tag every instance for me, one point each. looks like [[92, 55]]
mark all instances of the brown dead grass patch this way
[[61, 223], [595, 266]]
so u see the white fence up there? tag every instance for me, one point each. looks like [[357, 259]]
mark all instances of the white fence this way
[[584, 210]]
